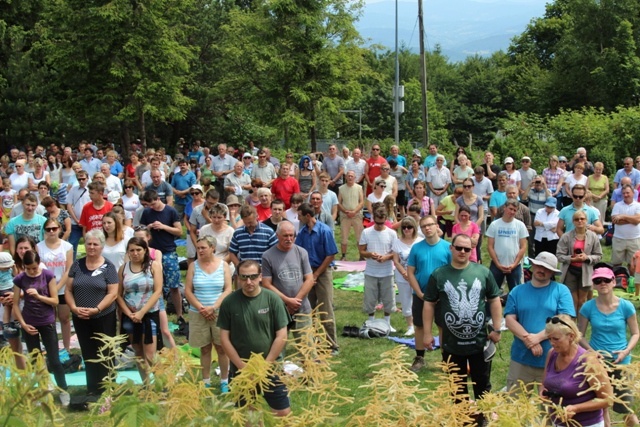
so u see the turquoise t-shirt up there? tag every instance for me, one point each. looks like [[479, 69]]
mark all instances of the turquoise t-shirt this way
[[609, 331], [426, 258], [19, 227]]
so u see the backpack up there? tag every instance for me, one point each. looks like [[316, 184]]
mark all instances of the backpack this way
[[377, 328], [72, 363], [622, 277]]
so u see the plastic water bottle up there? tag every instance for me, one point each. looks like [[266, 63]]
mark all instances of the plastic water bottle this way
[[631, 285]]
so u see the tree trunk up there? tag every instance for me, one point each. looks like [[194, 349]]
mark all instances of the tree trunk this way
[[125, 141]]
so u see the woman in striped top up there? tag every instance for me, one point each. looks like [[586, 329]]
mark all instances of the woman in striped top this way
[[138, 294], [207, 283]]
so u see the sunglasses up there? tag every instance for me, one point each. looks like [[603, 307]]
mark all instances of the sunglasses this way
[[140, 228], [128, 186], [385, 169], [467, 186], [50, 229], [375, 149], [563, 161], [193, 193], [578, 197], [382, 186], [601, 280], [407, 227], [462, 249], [555, 320], [249, 276]]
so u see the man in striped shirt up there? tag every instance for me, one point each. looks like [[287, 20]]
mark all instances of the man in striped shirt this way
[[252, 239]]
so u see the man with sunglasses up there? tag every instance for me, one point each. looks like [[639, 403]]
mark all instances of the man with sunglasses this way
[[424, 258], [565, 222], [528, 305], [254, 320], [78, 197], [372, 168], [334, 165], [462, 290]]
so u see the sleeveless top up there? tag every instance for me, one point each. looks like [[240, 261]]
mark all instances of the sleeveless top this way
[[596, 187], [567, 383], [138, 288], [207, 287], [305, 182]]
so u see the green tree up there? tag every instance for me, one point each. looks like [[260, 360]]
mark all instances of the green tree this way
[[115, 65], [290, 59]]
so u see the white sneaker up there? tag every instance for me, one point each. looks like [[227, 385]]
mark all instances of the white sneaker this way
[[65, 399], [392, 329], [410, 332]]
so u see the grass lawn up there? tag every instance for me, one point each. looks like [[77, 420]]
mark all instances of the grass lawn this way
[[352, 365]]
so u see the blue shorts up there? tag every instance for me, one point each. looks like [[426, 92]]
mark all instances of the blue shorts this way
[[170, 271]]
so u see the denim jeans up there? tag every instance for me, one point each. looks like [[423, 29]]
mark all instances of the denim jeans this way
[[513, 278], [74, 238]]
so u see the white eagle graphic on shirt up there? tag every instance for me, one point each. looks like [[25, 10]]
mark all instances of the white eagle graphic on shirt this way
[[464, 320]]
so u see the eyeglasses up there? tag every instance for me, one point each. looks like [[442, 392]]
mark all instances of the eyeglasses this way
[[50, 229], [555, 320], [407, 227], [385, 169], [601, 280], [249, 276], [578, 197], [140, 228], [467, 186], [462, 249]]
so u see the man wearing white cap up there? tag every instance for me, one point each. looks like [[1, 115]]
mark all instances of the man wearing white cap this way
[[529, 306], [527, 174]]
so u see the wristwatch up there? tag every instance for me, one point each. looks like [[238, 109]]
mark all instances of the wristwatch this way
[[498, 331]]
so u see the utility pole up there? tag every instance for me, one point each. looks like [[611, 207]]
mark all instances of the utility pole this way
[[396, 87], [423, 80]]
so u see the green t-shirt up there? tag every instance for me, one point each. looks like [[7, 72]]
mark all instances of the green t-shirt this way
[[252, 322], [461, 296]]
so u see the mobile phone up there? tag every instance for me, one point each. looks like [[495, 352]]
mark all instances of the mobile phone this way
[[578, 251]]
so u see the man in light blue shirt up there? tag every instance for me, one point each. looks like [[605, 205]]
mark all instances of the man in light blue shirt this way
[[395, 155], [89, 163], [430, 160], [627, 171], [565, 221]]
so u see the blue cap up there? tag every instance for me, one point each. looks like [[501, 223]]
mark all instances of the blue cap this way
[[551, 201]]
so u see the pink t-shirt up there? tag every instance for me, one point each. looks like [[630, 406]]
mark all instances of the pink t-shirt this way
[[470, 231]]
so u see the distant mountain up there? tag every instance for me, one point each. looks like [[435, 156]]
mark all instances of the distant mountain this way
[[461, 27]]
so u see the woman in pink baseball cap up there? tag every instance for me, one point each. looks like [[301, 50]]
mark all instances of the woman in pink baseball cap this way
[[610, 316]]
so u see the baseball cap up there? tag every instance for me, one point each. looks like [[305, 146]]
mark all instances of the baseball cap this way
[[245, 155], [603, 272], [508, 160], [562, 159], [551, 201], [113, 197], [526, 158]]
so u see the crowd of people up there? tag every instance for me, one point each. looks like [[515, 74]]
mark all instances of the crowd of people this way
[[267, 228]]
